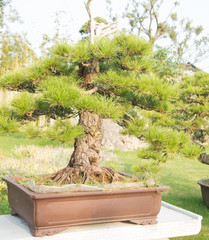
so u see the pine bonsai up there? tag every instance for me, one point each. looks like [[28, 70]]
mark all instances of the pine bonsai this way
[[88, 80], [112, 78]]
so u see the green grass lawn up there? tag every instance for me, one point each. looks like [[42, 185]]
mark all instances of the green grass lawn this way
[[8, 142], [179, 173]]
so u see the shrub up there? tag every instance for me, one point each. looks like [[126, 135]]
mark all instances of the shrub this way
[[31, 131], [191, 150]]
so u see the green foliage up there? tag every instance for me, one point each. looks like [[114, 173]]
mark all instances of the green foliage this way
[[161, 119], [191, 150], [133, 45], [60, 91], [164, 65], [105, 48], [166, 139], [118, 79], [62, 49], [63, 131], [150, 153], [100, 105], [4, 204], [14, 79], [24, 104], [81, 52], [149, 102], [8, 122], [31, 131], [197, 85], [194, 103], [135, 127], [137, 63], [29, 78], [147, 166], [157, 87]]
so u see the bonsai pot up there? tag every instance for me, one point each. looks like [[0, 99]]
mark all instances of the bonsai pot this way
[[47, 214], [204, 184]]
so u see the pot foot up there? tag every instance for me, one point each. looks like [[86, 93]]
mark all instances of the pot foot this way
[[144, 221], [46, 231], [13, 213]]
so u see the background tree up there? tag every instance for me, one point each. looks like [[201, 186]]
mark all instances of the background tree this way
[[15, 49], [15, 52], [144, 19], [3, 4], [189, 42]]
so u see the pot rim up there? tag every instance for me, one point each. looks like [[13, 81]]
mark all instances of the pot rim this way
[[200, 182], [34, 195]]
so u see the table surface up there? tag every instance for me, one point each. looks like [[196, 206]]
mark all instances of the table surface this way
[[172, 222]]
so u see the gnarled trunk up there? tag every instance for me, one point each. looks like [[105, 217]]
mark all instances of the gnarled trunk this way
[[87, 150], [84, 162], [88, 70]]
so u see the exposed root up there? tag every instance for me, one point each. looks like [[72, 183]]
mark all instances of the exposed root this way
[[103, 175]]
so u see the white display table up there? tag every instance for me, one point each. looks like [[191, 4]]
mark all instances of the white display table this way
[[172, 222]]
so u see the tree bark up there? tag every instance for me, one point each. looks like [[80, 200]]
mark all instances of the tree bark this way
[[88, 71], [87, 150]]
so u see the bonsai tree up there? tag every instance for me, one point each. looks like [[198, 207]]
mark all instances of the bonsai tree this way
[[91, 80]]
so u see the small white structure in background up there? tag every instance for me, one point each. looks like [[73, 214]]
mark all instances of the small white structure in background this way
[[103, 30], [6, 96], [99, 30], [172, 222], [112, 138]]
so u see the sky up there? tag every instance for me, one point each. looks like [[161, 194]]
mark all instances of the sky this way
[[38, 16]]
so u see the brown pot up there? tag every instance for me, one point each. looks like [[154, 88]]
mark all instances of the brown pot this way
[[205, 190], [47, 214]]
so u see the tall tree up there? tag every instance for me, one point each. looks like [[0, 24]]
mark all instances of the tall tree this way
[[15, 49], [3, 4], [189, 42], [144, 19], [15, 52]]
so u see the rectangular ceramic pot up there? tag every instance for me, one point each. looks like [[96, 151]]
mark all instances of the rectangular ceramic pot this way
[[47, 214]]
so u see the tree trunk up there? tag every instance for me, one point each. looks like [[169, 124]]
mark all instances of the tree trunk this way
[[88, 71], [87, 150]]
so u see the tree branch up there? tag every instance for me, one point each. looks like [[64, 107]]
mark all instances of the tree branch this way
[[92, 91], [87, 5]]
